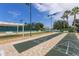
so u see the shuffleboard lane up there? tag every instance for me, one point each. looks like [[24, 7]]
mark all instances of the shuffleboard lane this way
[[61, 48], [20, 47]]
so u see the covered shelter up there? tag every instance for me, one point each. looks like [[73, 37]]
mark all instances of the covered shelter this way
[[9, 26]]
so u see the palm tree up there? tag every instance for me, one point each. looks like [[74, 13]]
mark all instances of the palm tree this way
[[74, 12], [66, 16]]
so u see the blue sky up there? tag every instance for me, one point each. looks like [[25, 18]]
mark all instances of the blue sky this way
[[16, 12]]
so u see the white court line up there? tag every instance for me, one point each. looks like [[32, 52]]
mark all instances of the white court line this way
[[67, 48]]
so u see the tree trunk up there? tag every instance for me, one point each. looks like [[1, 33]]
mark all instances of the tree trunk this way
[[74, 21], [64, 24], [67, 23]]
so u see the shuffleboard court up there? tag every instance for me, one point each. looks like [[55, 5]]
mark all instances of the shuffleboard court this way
[[69, 46], [20, 47]]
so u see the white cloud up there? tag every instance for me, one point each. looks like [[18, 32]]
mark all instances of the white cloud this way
[[56, 7], [14, 13], [50, 8], [68, 6], [42, 7]]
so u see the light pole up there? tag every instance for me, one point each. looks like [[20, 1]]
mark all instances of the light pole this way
[[51, 21], [30, 19], [29, 4], [22, 27], [50, 15]]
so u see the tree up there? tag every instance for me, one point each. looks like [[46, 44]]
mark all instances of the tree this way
[[77, 23], [63, 17], [28, 26], [71, 29], [59, 25], [74, 12], [34, 26], [39, 26], [66, 15]]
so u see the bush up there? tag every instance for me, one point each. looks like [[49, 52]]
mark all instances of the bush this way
[[71, 29], [78, 30]]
